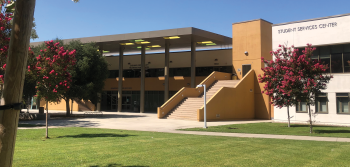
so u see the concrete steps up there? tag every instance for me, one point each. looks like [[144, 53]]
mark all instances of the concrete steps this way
[[187, 109]]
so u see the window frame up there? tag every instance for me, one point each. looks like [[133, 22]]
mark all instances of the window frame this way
[[299, 106], [336, 96], [317, 105]]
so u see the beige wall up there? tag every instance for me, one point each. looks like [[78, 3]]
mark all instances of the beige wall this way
[[232, 103], [151, 83], [255, 37], [179, 59], [62, 105]]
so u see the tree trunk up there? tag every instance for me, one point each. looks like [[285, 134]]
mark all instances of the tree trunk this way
[[288, 117], [310, 119], [67, 108], [47, 115], [14, 77], [71, 110]]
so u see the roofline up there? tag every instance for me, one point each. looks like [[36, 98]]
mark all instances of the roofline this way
[[320, 18], [145, 35], [251, 21]]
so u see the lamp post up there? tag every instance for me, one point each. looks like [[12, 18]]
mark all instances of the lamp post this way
[[205, 104]]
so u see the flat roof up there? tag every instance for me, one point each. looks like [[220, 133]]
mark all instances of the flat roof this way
[[111, 43], [251, 21], [320, 18]]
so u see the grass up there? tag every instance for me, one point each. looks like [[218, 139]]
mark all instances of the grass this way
[[279, 129], [114, 148]]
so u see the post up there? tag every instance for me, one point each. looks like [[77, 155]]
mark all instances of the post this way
[[193, 62], [143, 71], [14, 77], [98, 107], [205, 106], [120, 79], [166, 71], [47, 115]]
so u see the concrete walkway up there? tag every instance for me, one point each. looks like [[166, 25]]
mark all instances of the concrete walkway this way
[[150, 122]]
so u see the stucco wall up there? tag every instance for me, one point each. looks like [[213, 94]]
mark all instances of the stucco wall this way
[[334, 34], [179, 59], [255, 37], [232, 103]]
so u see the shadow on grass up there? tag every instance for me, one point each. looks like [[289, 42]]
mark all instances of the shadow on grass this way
[[117, 165], [312, 126], [29, 125], [96, 135], [331, 131]]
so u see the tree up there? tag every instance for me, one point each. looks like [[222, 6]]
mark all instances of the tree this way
[[88, 75], [280, 81], [51, 71], [292, 78], [14, 77], [311, 77]]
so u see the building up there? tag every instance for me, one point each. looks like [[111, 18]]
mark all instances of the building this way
[[331, 37], [160, 70], [153, 66]]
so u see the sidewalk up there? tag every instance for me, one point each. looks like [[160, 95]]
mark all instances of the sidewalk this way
[[150, 122], [267, 136]]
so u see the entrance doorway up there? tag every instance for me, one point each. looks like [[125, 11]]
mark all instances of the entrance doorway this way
[[245, 69], [114, 102], [126, 103]]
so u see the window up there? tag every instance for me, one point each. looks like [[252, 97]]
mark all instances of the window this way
[[113, 73], [342, 103], [325, 56], [301, 107], [336, 59], [321, 103]]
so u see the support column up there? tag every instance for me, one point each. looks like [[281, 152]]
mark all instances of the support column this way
[[143, 72], [98, 107], [120, 79], [193, 62], [166, 70]]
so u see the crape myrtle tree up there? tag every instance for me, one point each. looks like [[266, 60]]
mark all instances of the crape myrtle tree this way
[[293, 78], [310, 76], [51, 72], [279, 79], [88, 75]]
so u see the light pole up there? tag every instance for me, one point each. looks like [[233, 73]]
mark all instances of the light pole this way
[[205, 104]]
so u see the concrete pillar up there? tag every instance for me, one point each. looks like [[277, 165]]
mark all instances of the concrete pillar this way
[[166, 70], [143, 72], [193, 62], [120, 80], [98, 107]]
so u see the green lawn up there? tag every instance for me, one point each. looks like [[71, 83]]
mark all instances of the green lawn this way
[[107, 147], [279, 129]]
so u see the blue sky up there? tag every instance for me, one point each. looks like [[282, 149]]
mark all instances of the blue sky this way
[[65, 19]]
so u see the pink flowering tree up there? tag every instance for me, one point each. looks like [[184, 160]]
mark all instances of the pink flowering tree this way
[[292, 78], [5, 33], [311, 77], [279, 79], [50, 70]]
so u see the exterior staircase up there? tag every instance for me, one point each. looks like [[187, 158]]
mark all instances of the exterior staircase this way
[[187, 108]]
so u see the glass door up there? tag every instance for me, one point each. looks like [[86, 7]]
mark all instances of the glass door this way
[[126, 103], [114, 102]]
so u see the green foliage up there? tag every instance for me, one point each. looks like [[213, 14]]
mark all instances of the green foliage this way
[[89, 74]]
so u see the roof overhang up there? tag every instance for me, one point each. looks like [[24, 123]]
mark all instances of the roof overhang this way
[[112, 43]]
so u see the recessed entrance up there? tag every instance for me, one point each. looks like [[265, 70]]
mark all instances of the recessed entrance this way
[[245, 69]]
